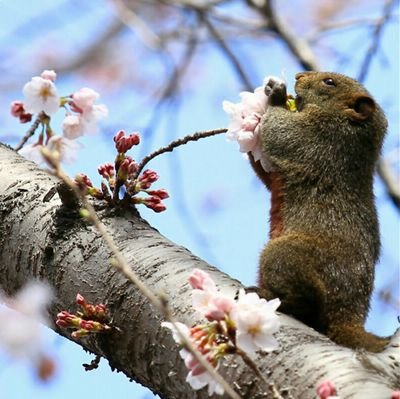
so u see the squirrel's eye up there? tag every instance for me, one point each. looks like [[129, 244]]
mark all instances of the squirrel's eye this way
[[329, 82]]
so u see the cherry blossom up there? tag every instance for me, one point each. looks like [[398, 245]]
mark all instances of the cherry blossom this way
[[256, 321], [41, 95], [73, 126], [234, 327], [245, 117], [67, 149], [21, 333], [32, 152], [89, 113], [49, 75], [201, 280]]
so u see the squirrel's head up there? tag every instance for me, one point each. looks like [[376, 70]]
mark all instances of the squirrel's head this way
[[343, 97]]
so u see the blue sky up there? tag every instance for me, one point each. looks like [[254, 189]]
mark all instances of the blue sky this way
[[217, 208]]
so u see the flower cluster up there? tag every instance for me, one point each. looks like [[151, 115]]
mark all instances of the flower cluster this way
[[21, 335], [122, 179], [241, 326], [245, 117], [91, 319], [327, 390], [41, 98]]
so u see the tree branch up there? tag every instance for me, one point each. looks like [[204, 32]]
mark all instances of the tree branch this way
[[45, 241]]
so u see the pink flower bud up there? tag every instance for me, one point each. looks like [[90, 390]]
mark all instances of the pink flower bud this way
[[155, 204], [395, 395], [124, 143], [161, 193], [49, 75], [106, 170], [326, 389], [17, 109], [147, 178], [83, 181], [201, 280], [80, 300]]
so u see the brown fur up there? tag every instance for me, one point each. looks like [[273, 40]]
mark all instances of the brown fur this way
[[324, 237]]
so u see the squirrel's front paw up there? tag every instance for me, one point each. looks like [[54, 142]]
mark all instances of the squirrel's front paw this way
[[275, 90]]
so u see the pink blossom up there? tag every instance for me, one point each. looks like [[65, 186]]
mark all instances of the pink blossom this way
[[73, 126], [83, 102], [201, 280], [255, 321], [245, 118], [84, 99], [49, 75], [199, 381], [41, 95], [244, 125], [213, 305]]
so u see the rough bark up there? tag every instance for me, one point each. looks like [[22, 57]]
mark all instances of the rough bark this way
[[41, 239]]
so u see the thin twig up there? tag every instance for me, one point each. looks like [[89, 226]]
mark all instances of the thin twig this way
[[377, 34], [300, 48], [176, 143], [249, 362], [131, 19], [220, 41], [122, 265], [31, 131]]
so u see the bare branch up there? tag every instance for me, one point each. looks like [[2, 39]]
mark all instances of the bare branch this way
[[220, 41], [131, 19], [174, 144], [299, 48], [376, 37]]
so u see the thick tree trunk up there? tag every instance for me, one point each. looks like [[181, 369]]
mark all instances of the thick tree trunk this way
[[41, 239]]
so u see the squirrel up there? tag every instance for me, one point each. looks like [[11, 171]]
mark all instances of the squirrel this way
[[324, 234]]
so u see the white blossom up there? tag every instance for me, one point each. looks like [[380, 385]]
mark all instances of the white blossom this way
[[245, 118], [73, 126], [201, 380], [256, 320], [32, 152], [67, 149], [20, 332], [41, 95]]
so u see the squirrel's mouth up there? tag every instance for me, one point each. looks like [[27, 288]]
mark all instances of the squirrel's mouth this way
[[299, 102]]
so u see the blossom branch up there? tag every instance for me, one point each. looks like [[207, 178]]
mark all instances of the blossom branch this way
[[121, 264], [176, 143]]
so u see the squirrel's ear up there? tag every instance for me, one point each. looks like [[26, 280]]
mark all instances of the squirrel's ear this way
[[360, 108]]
